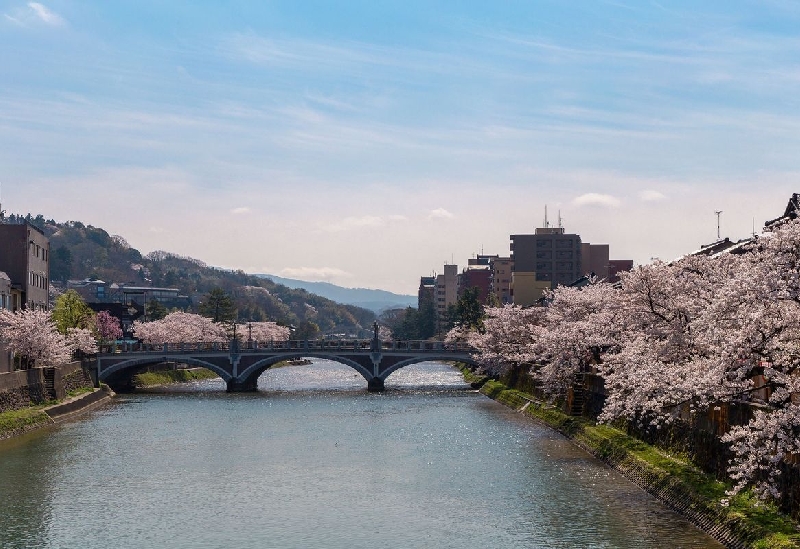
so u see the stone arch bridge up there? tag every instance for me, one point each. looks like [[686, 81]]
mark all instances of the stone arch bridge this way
[[240, 365]]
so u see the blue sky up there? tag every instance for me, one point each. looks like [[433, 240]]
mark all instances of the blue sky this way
[[367, 143]]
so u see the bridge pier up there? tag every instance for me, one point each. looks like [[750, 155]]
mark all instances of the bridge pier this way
[[247, 386], [375, 385]]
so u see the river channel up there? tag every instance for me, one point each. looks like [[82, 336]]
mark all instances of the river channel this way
[[313, 460]]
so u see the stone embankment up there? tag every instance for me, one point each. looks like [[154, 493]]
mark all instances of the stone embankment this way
[[34, 398], [681, 486]]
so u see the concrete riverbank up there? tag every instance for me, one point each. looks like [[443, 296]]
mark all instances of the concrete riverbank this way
[[24, 420]]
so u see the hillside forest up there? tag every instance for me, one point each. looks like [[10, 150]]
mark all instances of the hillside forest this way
[[79, 251]]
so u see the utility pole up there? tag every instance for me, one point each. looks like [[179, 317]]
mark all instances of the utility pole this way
[[718, 212]]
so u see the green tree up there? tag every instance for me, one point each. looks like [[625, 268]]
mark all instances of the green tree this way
[[155, 310], [218, 306], [426, 318], [71, 311], [61, 264], [469, 313], [306, 330]]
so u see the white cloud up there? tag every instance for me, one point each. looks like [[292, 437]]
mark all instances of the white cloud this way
[[651, 196], [46, 15], [240, 211], [314, 273], [596, 199], [440, 213]]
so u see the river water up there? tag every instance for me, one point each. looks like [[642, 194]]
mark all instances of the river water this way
[[313, 460]]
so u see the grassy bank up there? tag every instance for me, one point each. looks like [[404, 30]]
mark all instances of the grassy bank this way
[[154, 379], [744, 522], [16, 422]]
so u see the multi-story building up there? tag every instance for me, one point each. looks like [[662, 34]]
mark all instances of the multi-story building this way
[[542, 261], [502, 270], [445, 293], [478, 274], [550, 257], [426, 292], [616, 266], [99, 291], [25, 258], [594, 260]]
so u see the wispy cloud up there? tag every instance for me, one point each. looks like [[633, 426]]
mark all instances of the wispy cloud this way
[[34, 13], [46, 15], [240, 211], [440, 213], [596, 199]]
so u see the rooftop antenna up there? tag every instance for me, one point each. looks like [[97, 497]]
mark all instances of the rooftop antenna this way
[[718, 212], [546, 224], [754, 227], [560, 226]]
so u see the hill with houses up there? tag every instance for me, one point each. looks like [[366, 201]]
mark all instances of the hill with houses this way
[[80, 253]]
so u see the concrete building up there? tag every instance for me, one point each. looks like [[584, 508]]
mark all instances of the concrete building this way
[[426, 292], [446, 293], [99, 291], [25, 258], [616, 266], [502, 272], [478, 274], [594, 260], [543, 260]]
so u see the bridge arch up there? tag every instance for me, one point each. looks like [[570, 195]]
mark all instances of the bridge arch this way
[[249, 376], [121, 367], [431, 358]]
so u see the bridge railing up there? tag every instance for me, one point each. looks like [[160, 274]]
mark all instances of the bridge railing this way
[[332, 346]]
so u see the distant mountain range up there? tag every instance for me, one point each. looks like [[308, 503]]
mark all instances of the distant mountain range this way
[[374, 300]]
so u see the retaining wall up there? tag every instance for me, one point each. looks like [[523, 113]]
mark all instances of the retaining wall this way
[[24, 388]]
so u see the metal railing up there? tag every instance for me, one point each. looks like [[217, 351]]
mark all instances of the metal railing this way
[[330, 346]]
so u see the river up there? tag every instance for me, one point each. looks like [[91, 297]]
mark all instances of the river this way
[[313, 460]]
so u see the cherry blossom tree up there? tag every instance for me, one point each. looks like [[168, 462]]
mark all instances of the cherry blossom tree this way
[[506, 340], [179, 327], [262, 332], [576, 328], [31, 334], [81, 341], [673, 340], [107, 326], [668, 353]]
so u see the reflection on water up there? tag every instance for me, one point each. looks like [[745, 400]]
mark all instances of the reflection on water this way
[[312, 459]]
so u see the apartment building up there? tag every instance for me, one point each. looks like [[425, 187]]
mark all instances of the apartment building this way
[[445, 293], [25, 258], [502, 269]]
